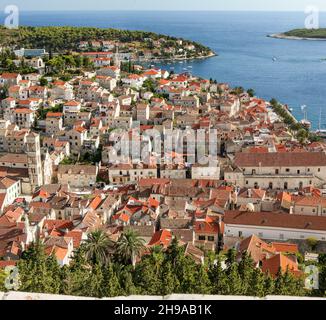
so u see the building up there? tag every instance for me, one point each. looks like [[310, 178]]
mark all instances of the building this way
[[274, 226], [78, 176], [53, 122], [279, 170]]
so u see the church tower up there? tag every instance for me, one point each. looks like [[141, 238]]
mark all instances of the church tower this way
[[33, 151], [117, 62]]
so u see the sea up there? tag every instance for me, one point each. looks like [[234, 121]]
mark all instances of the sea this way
[[292, 71]]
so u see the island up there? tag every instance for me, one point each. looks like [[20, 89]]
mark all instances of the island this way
[[136, 45], [302, 34]]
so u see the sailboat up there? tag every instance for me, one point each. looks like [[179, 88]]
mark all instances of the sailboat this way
[[305, 122], [321, 132]]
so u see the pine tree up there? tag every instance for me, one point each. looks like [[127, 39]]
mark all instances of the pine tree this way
[[203, 282], [93, 284], [217, 277], [269, 285], [127, 284], [37, 272], [111, 285], [170, 282], [232, 274], [246, 270], [256, 284]]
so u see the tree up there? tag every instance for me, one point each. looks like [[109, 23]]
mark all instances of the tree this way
[[129, 247], [37, 272], [127, 283], [43, 82], [246, 272], [232, 273], [93, 284], [312, 243], [256, 284], [170, 283], [111, 286], [251, 92], [217, 275], [3, 276], [97, 247]]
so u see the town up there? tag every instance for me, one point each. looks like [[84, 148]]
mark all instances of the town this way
[[102, 156]]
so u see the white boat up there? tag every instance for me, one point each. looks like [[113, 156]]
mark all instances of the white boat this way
[[306, 123], [321, 133]]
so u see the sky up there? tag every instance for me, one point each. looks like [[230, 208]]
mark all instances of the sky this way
[[100, 5]]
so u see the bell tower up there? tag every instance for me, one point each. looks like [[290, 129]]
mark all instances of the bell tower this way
[[33, 152]]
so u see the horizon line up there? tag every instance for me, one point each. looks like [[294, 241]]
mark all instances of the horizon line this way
[[158, 10]]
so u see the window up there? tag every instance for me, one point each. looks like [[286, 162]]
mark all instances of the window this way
[[211, 238], [298, 171], [281, 236], [277, 171], [240, 234], [287, 170], [201, 238]]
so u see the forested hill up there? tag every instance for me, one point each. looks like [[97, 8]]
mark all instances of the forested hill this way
[[307, 33], [68, 38]]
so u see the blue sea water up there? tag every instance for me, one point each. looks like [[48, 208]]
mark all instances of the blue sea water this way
[[245, 54]]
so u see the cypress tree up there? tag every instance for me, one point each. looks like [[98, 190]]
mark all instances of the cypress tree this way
[[111, 285]]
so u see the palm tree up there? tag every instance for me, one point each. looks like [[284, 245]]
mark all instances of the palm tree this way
[[130, 246], [97, 247]]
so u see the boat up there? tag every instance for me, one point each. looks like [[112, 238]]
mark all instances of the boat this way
[[274, 59], [306, 123], [321, 133]]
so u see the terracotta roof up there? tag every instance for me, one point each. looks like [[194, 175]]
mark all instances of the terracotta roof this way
[[285, 247], [274, 264], [256, 248], [275, 220], [205, 227], [310, 201], [162, 237], [276, 159]]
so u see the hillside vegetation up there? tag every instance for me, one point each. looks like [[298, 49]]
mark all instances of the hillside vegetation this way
[[307, 33]]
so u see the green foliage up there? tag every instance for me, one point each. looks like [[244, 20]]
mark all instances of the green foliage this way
[[96, 248], [129, 247], [38, 272], [300, 131], [65, 39], [312, 243], [3, 277], [307, 33], [251, 92], [93, 272], [43, 112]]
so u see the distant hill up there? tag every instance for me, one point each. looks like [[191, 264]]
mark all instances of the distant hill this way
[[68, 38], [307, 33]]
